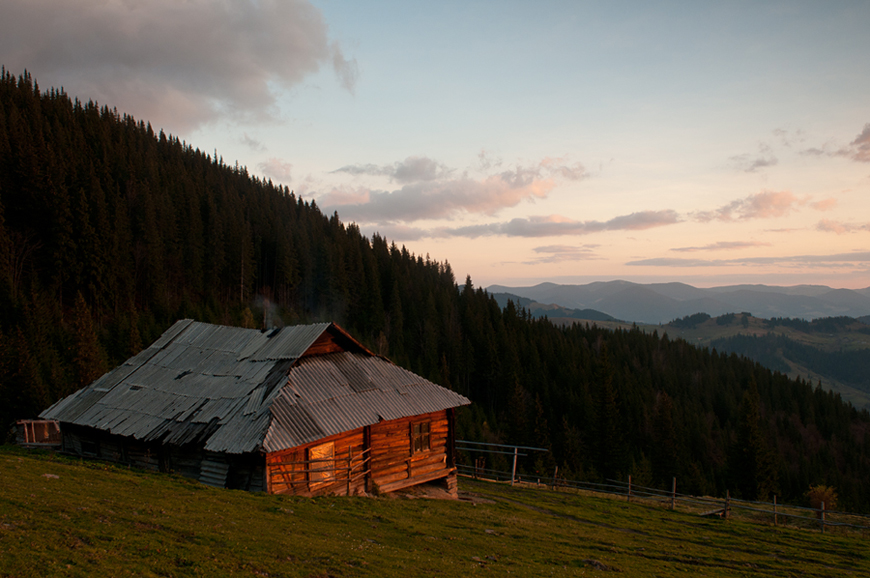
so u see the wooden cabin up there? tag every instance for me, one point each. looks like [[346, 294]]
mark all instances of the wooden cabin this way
[[304, 410]]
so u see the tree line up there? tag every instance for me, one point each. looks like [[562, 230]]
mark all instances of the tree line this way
[[110, 232]]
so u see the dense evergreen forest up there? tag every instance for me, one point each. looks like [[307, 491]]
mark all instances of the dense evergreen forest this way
[[849, 367], [109, 232]]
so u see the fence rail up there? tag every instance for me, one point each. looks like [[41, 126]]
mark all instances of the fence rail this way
[[774, 513]]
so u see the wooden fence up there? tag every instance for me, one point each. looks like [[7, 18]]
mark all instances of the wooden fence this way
[[773, 513]]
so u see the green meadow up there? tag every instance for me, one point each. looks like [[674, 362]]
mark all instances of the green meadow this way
[[65, 517]]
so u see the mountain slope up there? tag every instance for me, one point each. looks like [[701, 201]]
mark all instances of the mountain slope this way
[[661, 302], [109, 233]]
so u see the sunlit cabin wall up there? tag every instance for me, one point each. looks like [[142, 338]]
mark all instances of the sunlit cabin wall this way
[[382, 458], [393, 464], [292, 471]]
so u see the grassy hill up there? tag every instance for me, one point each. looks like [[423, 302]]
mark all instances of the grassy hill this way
[[63, 517]]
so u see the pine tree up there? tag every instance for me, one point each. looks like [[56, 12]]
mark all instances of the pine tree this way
[[665, 456], [88, 358], [611, 450], [753, 465]]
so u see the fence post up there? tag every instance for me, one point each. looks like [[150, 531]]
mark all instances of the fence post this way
[[727, 503], [674, 494], [774, 511], [514, 470], [555, 477], [629, 488], [822, 518], [349, 468]]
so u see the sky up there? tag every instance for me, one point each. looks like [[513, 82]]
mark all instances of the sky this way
[[712, 143]]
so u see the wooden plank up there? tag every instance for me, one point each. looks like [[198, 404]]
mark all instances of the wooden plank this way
[[398, 485]]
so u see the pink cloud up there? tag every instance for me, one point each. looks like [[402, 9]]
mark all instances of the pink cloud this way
[[766, 205], [722, 246], [443, 199], [276, 169], [829, 226], [558, 225], [561, 253], [345, 196], [431, 191], [824, 204], [557, 166]]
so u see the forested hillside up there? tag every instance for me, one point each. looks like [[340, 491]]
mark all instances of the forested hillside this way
[[109, 232]]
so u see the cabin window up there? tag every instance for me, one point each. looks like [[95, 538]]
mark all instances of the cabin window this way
[[420, 437], [321, 464]]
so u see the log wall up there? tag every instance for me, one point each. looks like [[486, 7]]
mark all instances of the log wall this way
[[387, 465], [393, 465], [288, 471]]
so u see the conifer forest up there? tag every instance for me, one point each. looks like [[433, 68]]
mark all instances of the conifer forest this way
[[110, 232]]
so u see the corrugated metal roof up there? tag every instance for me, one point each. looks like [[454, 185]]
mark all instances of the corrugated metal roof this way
[[242, 390]]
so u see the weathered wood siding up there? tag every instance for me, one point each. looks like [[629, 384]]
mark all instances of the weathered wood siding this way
[[290, 471], [245, 471], [388, 465], [378, 458], [393, 466]]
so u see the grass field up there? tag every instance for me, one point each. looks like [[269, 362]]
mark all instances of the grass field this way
[[64, 517]]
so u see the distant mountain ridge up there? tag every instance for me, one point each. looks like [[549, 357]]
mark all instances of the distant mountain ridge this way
[[551, 311], [662, 302]]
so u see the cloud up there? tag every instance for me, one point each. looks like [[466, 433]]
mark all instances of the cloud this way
[[420, 169], [560, 253], [443, 199], [346, 70], [253, 144], [751, 163], [557, 225], [789, 138], [410, 170], [400, 232], [822, 261], [824, 204], [815, 152], [369, 169], [486, 162], [861, 145], [345, 196], [557, 166], [857, 150], [829, 226], [722, 246], [276, 169], [431, 191], [176, 64], [764, 205]]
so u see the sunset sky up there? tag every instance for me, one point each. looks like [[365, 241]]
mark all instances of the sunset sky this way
[[710, 143]]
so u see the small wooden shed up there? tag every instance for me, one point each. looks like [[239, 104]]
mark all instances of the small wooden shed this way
[[303, 410]]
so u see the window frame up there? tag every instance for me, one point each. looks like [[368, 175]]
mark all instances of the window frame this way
[[421, 437]]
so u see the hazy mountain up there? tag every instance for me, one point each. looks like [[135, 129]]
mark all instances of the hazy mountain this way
[[662, 302], [549, 310]]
